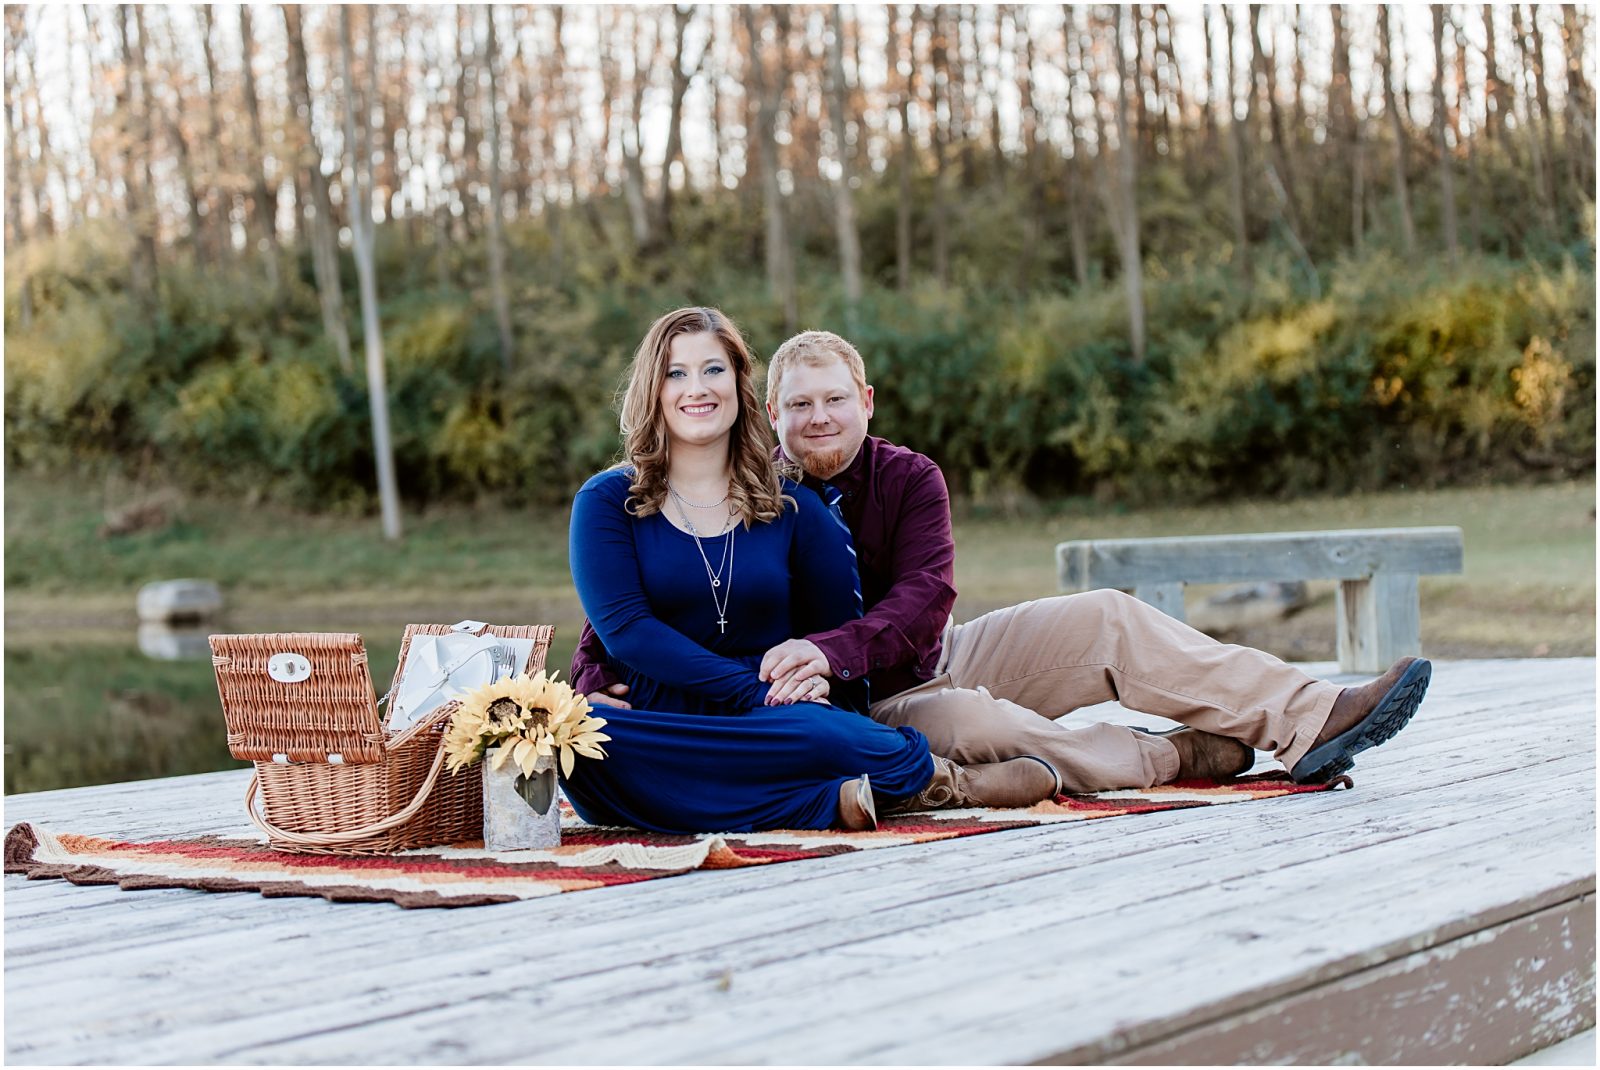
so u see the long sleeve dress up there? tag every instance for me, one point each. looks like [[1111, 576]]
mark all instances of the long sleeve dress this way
[[699, 752]]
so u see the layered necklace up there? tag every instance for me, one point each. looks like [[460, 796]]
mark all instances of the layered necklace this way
[[725, 564]]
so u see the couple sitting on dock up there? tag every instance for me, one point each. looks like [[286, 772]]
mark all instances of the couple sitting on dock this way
[[771, 627]]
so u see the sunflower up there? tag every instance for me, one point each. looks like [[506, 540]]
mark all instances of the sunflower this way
[[534, 720]]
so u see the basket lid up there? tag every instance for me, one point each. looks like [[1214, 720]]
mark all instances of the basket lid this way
[[540, 634], [298, 696]]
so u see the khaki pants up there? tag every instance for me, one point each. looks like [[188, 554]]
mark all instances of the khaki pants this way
[[1006, 676]]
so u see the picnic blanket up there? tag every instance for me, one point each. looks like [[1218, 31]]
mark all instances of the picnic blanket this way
[[589, 856]]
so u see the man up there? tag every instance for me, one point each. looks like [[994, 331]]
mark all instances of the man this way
[[990, 689]]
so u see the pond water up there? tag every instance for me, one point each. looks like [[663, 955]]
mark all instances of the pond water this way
[[95, 707]]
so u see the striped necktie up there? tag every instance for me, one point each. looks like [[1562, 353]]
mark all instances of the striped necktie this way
[[832, 496]]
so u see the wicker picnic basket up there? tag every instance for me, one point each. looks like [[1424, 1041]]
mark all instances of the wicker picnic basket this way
[[332, 779]]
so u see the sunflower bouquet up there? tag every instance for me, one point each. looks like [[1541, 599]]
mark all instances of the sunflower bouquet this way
[[532, 721]]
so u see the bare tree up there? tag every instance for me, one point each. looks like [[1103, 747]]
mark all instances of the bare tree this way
[[1408, 233], [359, 141], [497, 251], [138, 192], [263, 217], [17, 231], [941, 121], [768, 93], [907, 151], [683, 76], [1238, 158], [844, 200], [324, 255], [1580, 103], [645, 50], [1075, 169], [1447, 182], [1121, 190]]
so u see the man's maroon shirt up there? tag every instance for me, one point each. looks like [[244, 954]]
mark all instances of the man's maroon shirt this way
[[897, 508]]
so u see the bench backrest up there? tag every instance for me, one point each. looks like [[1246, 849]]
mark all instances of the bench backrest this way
[[1355, 554]]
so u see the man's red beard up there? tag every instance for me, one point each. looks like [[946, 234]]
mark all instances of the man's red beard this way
[[823, 463]]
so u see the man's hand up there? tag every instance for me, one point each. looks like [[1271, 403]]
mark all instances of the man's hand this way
[[791, 666], [611, 696]]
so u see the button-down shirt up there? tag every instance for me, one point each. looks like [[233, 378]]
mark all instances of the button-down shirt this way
[[897, 508]]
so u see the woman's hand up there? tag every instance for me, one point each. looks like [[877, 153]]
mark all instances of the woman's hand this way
[[808, 689], [611, 696]]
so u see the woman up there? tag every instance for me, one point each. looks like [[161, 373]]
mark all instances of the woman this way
[[691, 560]]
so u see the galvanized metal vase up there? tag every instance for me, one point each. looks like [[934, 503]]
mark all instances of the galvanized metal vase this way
[[512, 820]]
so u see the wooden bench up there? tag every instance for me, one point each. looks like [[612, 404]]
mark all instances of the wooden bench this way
[[1379, 616]]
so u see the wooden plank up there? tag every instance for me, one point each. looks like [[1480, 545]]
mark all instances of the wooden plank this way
[[1447, 1004], [1001, 948], [1167, 597], [349, 986], [1379, 620], [1290, 555]]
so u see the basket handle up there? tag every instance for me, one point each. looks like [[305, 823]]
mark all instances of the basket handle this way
[[335, 839]]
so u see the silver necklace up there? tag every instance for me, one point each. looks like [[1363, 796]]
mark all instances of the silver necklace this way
[[714, 576], [697, 505]]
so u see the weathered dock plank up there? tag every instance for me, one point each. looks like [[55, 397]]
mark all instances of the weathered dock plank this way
[[1159, 937]]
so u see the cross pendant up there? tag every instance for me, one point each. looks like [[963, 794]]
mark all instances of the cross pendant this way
[[722, 626]]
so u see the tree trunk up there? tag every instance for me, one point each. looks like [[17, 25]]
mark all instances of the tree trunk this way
[[138, 197], [215, 164], [908, 148], [682, 78], [1266, 83], [1474, 167], [1342, 122], [1497, 93], [1034, 203], [1546, 115], [1075, 169], [1447, 182], [632, 138], [1408, 234], [844, 199], [941, 141], [465, 165], [16, 230], [362, 241], [1238, 158], [767, 89], [1580, 103], [497, 251], [263, 218], [1128, 216], [324, 254], [1543, 165]]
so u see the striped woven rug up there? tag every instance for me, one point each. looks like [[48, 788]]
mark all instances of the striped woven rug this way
[[589, 856]]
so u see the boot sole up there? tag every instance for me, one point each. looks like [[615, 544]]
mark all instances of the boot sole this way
[[1393, 711]]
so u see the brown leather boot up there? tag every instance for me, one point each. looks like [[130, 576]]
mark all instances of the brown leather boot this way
[[1363, 717], [1007, 785], [856, 809], [1207, 756]]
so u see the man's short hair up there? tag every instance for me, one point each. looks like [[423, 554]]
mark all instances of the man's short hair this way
[[814, 348]]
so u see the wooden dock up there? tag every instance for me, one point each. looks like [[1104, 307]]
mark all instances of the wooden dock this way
[[1443, 911]]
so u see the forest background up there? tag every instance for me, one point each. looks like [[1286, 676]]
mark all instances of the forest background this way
[[1101, 261], [1139, 251]]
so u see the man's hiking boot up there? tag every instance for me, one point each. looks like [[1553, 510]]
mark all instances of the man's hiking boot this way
[[1364, 717], [1006, 785]]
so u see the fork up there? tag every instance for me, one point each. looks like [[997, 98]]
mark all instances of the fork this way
[[505, 658]]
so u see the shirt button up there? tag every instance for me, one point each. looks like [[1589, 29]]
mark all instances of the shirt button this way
[[845, 673]]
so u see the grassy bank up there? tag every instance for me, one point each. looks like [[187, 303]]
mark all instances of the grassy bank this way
[[1528, 588]]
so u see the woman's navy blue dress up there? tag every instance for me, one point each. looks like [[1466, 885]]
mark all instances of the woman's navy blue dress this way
[[699, 752]]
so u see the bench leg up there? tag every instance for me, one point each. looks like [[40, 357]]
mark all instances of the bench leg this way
[[1379, 620], [1167, 597]]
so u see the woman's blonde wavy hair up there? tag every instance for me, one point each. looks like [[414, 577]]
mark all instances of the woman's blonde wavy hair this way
[[753, 485]]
